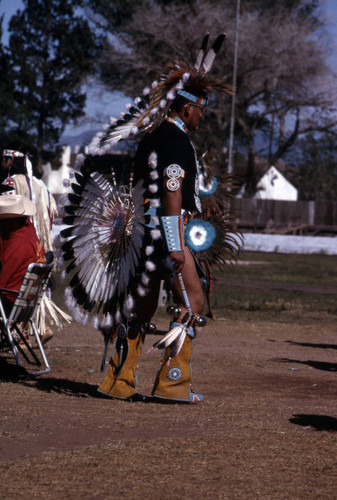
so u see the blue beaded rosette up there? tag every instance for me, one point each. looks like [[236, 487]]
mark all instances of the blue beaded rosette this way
[[199, 235], [207, 188]]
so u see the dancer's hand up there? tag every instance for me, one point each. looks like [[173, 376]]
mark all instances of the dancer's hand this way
[[178, 259]]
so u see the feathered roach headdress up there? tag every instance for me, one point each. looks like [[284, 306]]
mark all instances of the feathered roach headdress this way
[[148, 112]]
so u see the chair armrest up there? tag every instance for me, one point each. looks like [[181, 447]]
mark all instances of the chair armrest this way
[[9, 290]]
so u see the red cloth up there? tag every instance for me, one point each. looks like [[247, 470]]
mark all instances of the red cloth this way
[[16, 253]]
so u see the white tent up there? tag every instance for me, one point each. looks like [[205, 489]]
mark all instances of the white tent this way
[[274, 186]]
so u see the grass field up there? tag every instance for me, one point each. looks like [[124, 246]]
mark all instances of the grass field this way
[[282, 304], [288, 268], [247, 302]]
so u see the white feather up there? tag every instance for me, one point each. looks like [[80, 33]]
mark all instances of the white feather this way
[[106, 321], [77, 314], [155, 203], [141, 291], [153, 188], [155, 233], [118, 317], [178, 343], [150, 266], [129, 302], [145, 279], [171, 95], [128, 306], [84, 318], [95, 322], [154, 175], [149, 250], [153, 159], [169, 338], [69, 298]]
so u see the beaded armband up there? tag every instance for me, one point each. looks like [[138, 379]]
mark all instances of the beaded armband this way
[[173, 172], [174, 232]]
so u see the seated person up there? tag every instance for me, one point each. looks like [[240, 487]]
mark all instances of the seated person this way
[[21, 180], [19, 244]]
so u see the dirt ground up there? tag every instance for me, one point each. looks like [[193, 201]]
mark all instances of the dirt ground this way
[[266, 428]]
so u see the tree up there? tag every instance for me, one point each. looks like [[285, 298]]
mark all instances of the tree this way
[[154, 33], [51, 52], [6, 93], [285, 88], [315, 174]]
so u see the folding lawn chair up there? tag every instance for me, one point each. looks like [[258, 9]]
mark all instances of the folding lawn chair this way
[[24, 311]]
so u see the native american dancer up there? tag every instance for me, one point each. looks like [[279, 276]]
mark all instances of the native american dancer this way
[[123, 240]]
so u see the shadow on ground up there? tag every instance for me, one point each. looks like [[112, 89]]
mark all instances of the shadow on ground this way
[[64, 386], [317, 422], [10, 371], [318, 365], [315, 346]]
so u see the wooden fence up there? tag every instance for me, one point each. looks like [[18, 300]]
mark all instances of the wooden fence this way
[[285, 217]]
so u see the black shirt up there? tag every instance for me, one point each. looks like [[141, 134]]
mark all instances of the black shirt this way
[[167, 145]]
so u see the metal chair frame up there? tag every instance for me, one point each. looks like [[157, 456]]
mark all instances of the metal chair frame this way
[[24, 310]]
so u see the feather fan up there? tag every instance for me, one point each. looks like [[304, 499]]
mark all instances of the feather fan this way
[[104, 240]]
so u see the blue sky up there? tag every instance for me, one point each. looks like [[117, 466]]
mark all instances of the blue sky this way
[[101, 104]]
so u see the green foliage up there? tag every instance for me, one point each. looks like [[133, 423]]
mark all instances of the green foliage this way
[[51, 51]]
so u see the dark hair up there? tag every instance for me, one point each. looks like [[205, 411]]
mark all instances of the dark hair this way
[[18, 166], [180, 101]]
